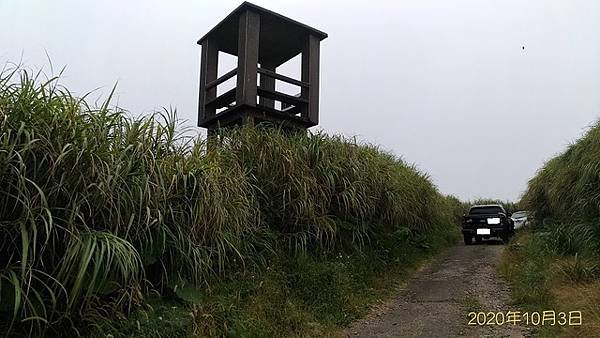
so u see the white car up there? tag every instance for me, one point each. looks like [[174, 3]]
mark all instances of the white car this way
[[520, 218]]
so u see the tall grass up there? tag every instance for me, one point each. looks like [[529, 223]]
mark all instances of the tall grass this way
[[320, 190], [568, 186], [509, 206], [562, 249], [97, 206], [565, 196]]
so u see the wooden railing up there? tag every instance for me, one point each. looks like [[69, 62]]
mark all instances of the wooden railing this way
[[283, 78], [290, 104], [222, 79]]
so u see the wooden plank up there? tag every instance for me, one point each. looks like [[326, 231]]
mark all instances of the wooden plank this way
[[237, 114], [223, 100], [274, 95], [222, 79], [283, 78], [292, 110], [225, 118], [276, 115]]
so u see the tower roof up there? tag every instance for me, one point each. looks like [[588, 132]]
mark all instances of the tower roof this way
[[279, 35]]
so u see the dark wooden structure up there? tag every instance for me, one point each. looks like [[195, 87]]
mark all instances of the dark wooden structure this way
[[262, 40]]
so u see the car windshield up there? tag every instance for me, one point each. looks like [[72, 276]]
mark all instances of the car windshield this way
[[519, 214], [485, 210]]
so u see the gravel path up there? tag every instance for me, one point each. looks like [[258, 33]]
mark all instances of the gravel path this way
[[436, 301]]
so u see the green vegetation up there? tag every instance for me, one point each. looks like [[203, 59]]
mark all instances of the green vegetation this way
[[295, 295], [126, 226], [556, 263], [508, 205], [459, 208]]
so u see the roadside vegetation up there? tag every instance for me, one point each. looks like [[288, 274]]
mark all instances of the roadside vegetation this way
[[120, 225], [461, 208], [555, 263], [509, 206]]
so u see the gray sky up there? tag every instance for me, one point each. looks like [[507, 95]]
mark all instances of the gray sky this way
[[444, 84]]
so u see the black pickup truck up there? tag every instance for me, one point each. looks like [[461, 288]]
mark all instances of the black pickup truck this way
[[485, 221]]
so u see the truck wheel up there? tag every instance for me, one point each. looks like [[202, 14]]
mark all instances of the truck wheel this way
[[468, 239], [505, 238]]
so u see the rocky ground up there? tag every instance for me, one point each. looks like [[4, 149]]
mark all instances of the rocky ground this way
[[437, 300]]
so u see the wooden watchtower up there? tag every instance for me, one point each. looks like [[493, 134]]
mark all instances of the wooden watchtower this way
[[262, 41]]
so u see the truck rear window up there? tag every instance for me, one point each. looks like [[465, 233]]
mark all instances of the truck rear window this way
[[485, 210]]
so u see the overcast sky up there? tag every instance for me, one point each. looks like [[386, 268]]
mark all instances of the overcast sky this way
[[444, 84]]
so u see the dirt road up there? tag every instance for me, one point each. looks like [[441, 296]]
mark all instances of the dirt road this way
[[436, 301]]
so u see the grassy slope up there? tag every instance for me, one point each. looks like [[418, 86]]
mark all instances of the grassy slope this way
[[304, 296], [556, 263], [108, 220], [543, 280]]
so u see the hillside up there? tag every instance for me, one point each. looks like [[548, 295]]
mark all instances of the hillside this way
[[556, 263], [125, 226]]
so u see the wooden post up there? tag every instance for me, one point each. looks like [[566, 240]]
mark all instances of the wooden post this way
[[209, 62], [212, 139], [310, 74], [248, 37], [267, 82]]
